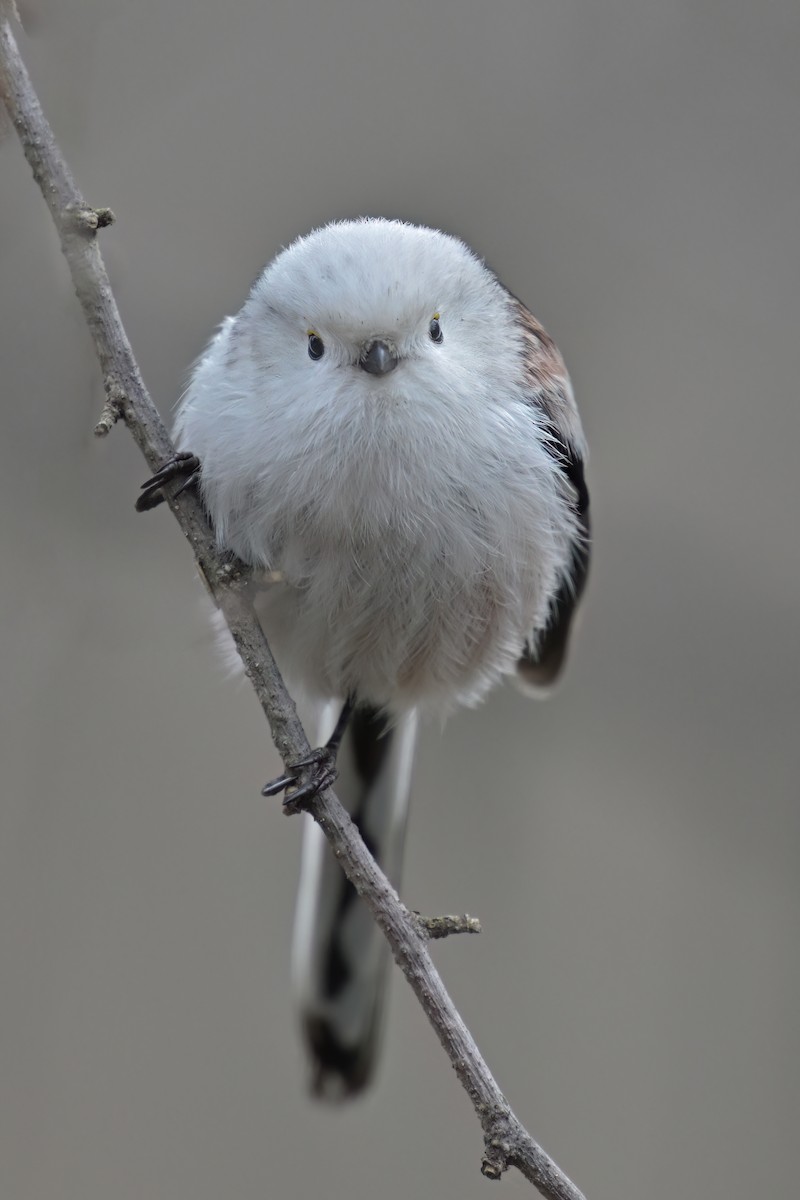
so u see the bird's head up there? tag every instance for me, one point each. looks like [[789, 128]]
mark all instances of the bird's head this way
[[378, 308]]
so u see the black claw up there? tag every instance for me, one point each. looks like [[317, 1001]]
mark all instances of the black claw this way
[[311, 788], [190, 482], [278, 785], [322, 775], [321, 755], [184, 463], [149, 499]]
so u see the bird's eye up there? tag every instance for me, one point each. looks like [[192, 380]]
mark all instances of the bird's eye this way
[[435, 330], [316, 347]]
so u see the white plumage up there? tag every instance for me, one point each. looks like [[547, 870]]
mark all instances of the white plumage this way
[[419, 520], [426, 512]]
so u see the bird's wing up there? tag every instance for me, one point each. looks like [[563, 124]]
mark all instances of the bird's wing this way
[[551, 393]]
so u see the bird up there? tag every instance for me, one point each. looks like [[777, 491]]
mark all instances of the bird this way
[[389, 438]]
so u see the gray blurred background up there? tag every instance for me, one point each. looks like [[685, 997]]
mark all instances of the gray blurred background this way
[[631, 168]]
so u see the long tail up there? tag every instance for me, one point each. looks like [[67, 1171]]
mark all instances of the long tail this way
[[340, 957]]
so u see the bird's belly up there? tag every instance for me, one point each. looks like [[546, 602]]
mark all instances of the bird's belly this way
[[424, 627]]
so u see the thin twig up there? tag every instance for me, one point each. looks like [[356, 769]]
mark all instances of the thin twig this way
[[507, 1142], [442, 927]]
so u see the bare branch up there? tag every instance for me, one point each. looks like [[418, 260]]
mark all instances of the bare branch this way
[[507, 1142]]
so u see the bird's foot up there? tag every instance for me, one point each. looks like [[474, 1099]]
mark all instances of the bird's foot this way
[[304, 779], [183, 465]]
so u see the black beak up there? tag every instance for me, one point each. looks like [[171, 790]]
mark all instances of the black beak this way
[[379, 358]]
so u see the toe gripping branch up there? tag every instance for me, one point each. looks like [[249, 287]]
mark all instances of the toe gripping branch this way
[[310, 775], [184, 466]]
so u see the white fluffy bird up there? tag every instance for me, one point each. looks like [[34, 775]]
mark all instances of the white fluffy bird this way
[[390, 438]]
